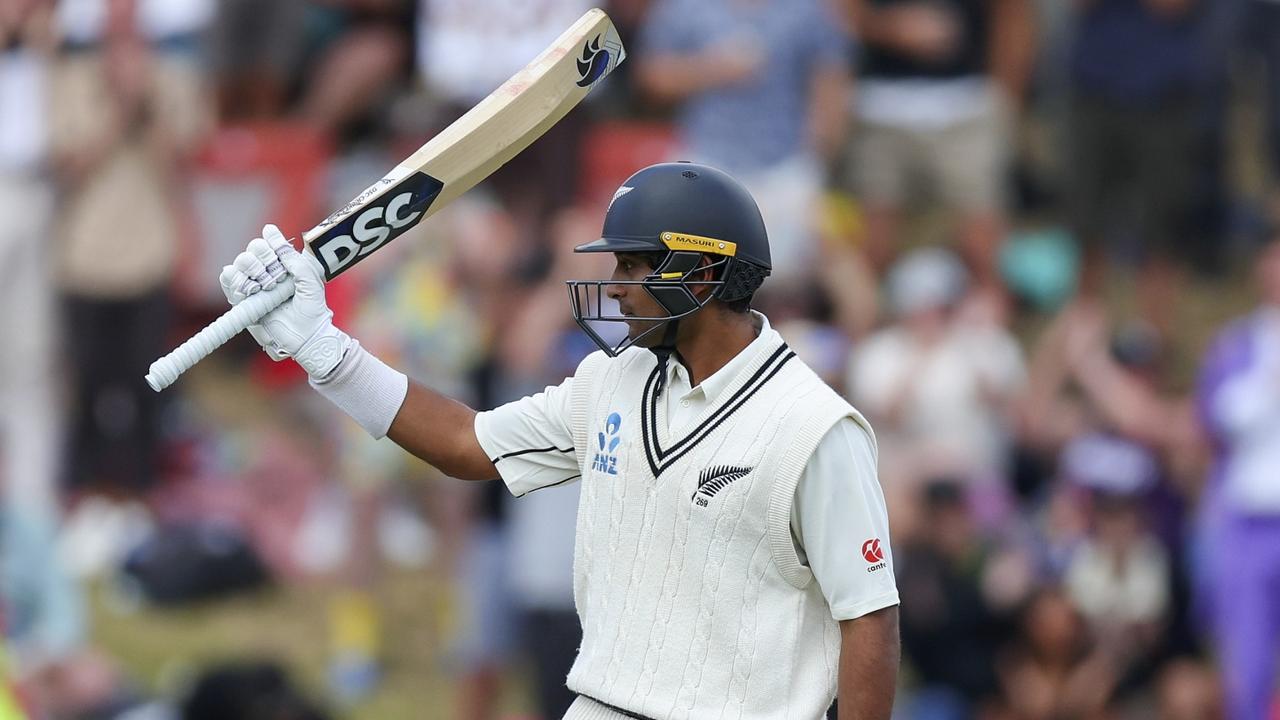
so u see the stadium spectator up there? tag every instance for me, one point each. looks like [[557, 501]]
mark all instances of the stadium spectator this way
[[937, 83], [29, 421], [951, 626], [1053, 666], [1239, 404], [1120, 579], [760, 90], [49, 655], [940, 384], [125, 115], [1135, 82], [1256, 27], [257, 48], [465, 50], [359, 52]]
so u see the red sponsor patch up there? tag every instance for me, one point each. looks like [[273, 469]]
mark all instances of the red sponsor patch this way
[[872, 552]]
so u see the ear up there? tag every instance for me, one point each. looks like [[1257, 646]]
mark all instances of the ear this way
[[703, 274]]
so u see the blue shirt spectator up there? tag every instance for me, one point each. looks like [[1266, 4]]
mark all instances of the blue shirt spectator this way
[[758, 61]]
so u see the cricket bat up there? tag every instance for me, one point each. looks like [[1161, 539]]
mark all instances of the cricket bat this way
[[463, 154]]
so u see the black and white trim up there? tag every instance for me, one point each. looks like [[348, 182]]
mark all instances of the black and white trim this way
[[530, 451], [661, 458]]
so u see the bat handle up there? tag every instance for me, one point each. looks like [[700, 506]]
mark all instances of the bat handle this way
[[165, 371]]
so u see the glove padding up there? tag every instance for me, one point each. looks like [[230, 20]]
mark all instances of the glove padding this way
[[302, 327]]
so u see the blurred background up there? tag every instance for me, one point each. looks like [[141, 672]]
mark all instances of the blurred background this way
[[1035, 241]]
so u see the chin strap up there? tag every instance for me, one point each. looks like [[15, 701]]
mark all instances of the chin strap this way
[[663, 350]]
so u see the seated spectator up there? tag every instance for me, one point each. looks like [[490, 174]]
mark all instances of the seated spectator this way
[[953, 610], [1053, 667], [939, 383], [1120, 580]]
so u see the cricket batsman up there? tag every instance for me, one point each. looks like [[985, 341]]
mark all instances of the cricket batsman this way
[[732, 556]]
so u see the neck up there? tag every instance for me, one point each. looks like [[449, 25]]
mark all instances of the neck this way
[[711, 338]]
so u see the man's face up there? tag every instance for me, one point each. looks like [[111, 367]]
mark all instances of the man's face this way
[[634, 300]]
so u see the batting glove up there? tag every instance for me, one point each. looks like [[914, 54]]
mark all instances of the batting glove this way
[[302, 327]]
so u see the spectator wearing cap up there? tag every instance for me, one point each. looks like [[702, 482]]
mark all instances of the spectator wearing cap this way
[[1120, 580], [1239, 405], [940, 382]]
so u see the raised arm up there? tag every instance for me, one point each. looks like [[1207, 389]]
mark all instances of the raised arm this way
[[441, 431], [382, 400]]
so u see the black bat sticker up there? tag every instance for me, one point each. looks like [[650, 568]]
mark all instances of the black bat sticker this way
[[380, 222]]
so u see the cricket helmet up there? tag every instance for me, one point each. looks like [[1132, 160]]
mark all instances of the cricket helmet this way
[[680, 213]]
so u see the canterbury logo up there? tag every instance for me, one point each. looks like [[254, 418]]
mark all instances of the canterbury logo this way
[[714, 479], [593, 63]]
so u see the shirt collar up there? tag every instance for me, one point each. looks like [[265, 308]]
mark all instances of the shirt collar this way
[[714, 385]]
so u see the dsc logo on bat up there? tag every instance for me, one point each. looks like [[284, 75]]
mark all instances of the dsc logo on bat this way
[[378, 222]]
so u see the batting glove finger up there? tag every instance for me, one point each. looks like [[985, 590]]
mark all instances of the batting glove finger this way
[[233, 282], [249, 264], [236, 283], [272, 270]]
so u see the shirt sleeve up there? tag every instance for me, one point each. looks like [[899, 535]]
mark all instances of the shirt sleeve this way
[[529, 440], [840, 526]]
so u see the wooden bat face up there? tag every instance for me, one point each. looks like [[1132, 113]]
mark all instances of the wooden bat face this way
[[471, 148]]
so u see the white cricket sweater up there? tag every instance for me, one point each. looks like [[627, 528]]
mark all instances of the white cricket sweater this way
[[692, 599]]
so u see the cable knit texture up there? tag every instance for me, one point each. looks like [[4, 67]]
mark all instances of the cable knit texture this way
[[696, 605]]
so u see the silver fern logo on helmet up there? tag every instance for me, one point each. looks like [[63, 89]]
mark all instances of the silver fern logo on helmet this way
[[619, 193]]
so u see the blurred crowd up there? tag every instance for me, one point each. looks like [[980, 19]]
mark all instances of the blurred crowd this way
[[1036, 242]]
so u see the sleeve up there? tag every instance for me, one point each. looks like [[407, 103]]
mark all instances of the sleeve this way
[[840, 524], [1240, 386], [530, 440]]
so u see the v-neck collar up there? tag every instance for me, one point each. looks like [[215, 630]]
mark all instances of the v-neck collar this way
[[726, 390]]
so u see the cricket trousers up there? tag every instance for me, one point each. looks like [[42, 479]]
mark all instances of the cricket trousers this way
[[1247, 613]]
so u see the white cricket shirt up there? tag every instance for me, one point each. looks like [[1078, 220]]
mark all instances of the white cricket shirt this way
[[838, 511]]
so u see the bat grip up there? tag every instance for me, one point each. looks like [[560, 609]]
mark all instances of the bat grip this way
[[165, 371]]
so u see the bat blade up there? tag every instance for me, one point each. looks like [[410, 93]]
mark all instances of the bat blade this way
[[452, 162], [473, 146]]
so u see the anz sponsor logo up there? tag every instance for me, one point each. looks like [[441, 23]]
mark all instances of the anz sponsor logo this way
[[379, 222], [606, 456]]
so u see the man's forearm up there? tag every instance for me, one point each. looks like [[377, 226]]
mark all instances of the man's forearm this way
[[869, 656], [441, 431]]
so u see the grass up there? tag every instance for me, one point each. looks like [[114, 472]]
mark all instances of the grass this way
[[162, 649]]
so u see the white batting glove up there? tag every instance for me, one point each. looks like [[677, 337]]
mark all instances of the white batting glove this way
[[301, 328]]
